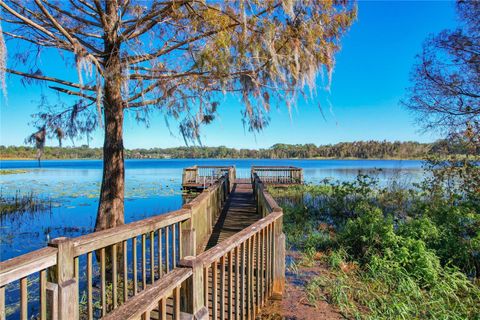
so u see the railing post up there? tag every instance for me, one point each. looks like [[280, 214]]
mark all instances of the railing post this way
[[67, 284], [278, 259], [231, 178], [193, 304]]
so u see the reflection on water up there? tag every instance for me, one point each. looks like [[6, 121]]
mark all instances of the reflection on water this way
[[152, 187]]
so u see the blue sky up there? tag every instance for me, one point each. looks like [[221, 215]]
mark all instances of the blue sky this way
[[370, 78]]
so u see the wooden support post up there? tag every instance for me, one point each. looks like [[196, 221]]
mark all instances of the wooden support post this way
[[278, 260], [232, 176], [67, 284], [194, 303]]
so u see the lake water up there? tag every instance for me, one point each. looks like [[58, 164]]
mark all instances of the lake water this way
[[152, 187]]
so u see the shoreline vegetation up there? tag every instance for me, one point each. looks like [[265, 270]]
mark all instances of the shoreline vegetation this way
[[374, 150], [391, 252]]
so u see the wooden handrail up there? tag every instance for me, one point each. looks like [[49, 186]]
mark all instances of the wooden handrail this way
[[186, 229], [208, 257], [105, 238], [147, 300], [27, 264]]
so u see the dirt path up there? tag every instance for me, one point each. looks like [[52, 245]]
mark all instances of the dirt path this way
[[295, 303]]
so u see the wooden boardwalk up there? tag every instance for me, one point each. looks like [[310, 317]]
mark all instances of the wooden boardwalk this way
[[239, 212], [242, 266]]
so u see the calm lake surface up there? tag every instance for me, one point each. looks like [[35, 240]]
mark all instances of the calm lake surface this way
[[152, 187]]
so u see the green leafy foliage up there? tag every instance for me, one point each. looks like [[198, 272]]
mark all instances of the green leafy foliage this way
[[390, 252]]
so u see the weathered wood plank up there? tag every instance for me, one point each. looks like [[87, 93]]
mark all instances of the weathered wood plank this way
[[23, 299], [103, 280], [89, 286], [27, 264], [104, 238], [223, 247], [152, 257], [43, 295], [150, 298], [135, 269]]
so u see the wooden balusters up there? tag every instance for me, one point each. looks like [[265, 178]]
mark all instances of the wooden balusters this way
[[176, 303], [222, 288], [159, 253], [89, 286], [162, 309], [43, 294], [248, 277], [125, 271], [144, 262], [23, 299], [2, 303], [167, 249], [174, 247], [257, 277], [205, 285], [237, 282], [230, 285], [152, 257], [114, 276], [214, 290], [135, 271], [103, 281]]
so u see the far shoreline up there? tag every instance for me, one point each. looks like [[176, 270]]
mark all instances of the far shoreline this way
[[303, 159]]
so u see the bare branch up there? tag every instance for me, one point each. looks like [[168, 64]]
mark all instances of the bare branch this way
[[51, 79]]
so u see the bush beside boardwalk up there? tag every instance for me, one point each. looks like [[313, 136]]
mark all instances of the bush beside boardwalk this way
[[387, 252]]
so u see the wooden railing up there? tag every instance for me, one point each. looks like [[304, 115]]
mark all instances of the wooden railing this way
[[89, 276], [156, 267], [279, 175], [206, 175], [155, 299], [234, 279], [29, 270], [237, 276]]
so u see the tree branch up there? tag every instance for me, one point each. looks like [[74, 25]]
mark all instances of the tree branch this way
[[73, 93], [150, 56], [45, 78]]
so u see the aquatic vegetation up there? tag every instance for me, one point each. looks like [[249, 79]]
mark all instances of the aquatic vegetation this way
[[21, 203], [14, 171]]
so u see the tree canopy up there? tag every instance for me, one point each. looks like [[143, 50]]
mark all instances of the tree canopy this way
[[446, 79], [177, 56]]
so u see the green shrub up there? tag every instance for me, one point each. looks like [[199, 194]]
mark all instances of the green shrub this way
[[415, 253]]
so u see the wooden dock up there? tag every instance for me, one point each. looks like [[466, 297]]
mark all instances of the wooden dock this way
[[239, 212], [221, 256]]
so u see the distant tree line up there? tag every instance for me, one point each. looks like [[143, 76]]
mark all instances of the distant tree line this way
[[357, 149]]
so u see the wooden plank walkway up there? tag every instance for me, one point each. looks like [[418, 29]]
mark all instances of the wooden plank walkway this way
[[239, 211]]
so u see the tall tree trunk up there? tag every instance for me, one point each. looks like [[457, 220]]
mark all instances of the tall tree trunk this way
[[111, 205]]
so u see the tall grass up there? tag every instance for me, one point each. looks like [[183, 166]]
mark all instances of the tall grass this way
[[21, 203]]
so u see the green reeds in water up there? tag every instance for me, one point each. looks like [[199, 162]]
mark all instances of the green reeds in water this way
[[21, 203]]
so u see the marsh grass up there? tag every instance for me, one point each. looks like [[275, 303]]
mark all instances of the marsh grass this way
[[12, 171], [21, 203]]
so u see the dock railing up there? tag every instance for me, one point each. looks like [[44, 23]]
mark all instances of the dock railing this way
[[235, 278], [107, 268], [203, 176], [155, 267], [278, 175]]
